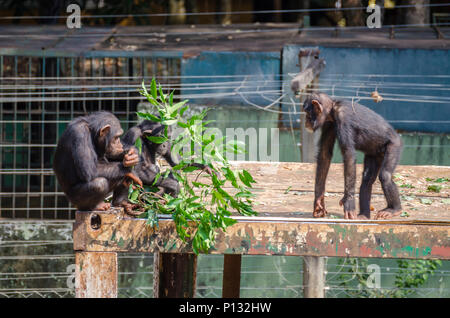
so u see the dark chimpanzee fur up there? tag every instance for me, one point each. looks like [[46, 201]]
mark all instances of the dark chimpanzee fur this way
[[147, 169], [81, 161], [356, 128]]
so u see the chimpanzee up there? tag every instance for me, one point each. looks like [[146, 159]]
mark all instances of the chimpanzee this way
[[147, 169], [356, 128], [83, 160]]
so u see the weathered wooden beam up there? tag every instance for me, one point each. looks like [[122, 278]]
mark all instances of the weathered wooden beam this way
[[273, 236], [313, 277], [306, 76], [96, 275], [174, 275], [231, 282]]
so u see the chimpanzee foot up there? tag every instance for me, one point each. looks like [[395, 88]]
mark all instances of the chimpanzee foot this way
[[387, 213], [131, 208], [104, 206], [320, 213], [319, 208], [350, 215]]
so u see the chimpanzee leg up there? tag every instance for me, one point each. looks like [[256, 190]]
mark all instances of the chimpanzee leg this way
[[372, 166], [88, 196], [120, 199], [120, 194], [391, 159], [170, 185]]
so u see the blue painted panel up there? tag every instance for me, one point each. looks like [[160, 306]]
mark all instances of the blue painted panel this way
[[405, 115], [231, 78]]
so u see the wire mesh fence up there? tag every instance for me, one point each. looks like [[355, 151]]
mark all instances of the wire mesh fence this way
[[31, 120]]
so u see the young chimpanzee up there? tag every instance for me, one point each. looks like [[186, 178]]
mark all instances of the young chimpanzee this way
[[147, 168], [82, 160], [356, 128]]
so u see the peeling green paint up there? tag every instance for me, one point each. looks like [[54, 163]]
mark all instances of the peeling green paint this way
[[120, 243]]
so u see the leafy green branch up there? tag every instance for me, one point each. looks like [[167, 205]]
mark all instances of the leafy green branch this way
[[205, 204]]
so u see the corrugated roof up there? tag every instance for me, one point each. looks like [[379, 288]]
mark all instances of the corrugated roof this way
[[194, 39]]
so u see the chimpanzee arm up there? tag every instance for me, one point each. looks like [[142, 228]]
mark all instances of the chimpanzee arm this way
[[168, 157], [130, 137], [111, 170], [327, 140], [346, 143], [83, 154]]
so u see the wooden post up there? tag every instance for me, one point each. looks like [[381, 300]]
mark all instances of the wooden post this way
[[313, 277], [174, 275], [310, 67], [231, 282], [96, 275]]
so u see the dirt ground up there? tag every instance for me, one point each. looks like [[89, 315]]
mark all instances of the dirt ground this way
[[287, 189]]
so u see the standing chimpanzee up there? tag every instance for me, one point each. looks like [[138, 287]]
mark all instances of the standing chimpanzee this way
[[356, 128], [81, 162], [147, 168]]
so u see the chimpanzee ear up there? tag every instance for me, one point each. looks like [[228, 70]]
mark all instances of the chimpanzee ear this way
[[317, 106], [105, 130], [147, 132]]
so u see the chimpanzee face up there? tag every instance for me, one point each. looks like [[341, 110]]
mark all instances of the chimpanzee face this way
[[109, 136], [114, 147], [157, 130], [312, 116]]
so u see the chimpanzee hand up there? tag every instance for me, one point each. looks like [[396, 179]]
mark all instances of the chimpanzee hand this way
[[349, 207], [131, 158], [319, 207], [131, 176]]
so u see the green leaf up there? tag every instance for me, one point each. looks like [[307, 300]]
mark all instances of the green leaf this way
[[157, 176], [177, 106], [190, 168], [171, 98], [182, 125], [183, 109], [169, 122], [434, 188], [156, 139], [248, 176], [162, 97], [144, 89], [244, 180], [153, 89], [134, 195], [138, 145], [149, 116]]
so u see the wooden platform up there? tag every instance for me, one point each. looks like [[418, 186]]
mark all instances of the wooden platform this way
[[287, 189], [284, 227]]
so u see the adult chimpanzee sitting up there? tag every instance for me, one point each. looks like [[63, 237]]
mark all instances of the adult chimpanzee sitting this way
[[81, 162]]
